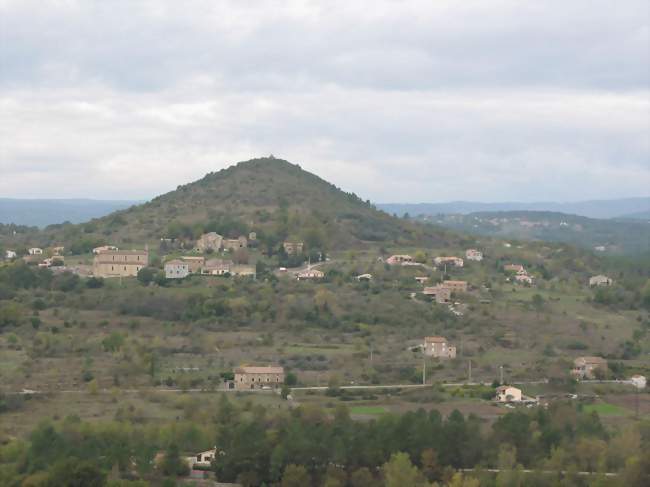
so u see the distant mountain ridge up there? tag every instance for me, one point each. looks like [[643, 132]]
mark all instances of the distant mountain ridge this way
[[625, 208], [43, 212]]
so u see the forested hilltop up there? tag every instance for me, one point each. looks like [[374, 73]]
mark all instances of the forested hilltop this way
[[275, 198]]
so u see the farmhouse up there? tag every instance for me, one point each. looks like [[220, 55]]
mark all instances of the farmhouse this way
[[293, 248], [399, 260], [195, 263], [454, 261], [217, 267], [440, 293], [35, 251], [104, 248], [589, 367], [508, 394], [247, 377], [209, 241], [473, 254], [456, 286], [310, 274], [438, 347], [235, 243], [638, 381], [202, 459], [600, 280], [120, 263], [514, 268], [177, 269]]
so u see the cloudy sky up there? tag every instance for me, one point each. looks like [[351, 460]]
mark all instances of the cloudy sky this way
[[398, 101]]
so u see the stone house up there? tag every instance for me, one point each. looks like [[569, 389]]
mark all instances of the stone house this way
[[217, 267], [440, 293], [293, 248], [589, 367], [600, 280], [177, 269], [438, 347], [120, 263], [235, 243], [209, 241], [195, 263], [508, 394], [456, 286], [249, 377]]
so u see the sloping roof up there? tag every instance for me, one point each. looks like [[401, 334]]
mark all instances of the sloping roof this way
[[435, 339], [591, 360], [246, 369], [175, 262]]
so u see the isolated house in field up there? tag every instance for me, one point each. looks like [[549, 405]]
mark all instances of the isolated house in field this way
[[600, 280], [248, 377], [293, 248], [104, 248], [508, 394], [310, 274], [589, 367], [177, 269], [217, 267], [202, 459], [35, 251], [456, 286], [516, 268], [209, 241], [120, 263], [438, 347], [452, 261], [638, 381], [195, 263], [10, 254], [399, 260], [235, 243], [473, 254], [440, 293]]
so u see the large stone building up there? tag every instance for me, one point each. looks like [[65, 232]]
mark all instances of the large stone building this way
[[217, 267], [438, 347], [235, 243], [209, 241], [589, 367], [119, 263], [177, 269], [440, 293], [248, 377]]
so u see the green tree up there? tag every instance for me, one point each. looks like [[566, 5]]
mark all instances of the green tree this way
[[146, 275], [399, 472], [295, 476], [362, 478], [172, 463]]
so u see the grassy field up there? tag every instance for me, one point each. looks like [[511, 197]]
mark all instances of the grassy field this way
[[605, 409]]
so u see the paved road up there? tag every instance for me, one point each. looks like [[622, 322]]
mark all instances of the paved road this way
[[563, 472]]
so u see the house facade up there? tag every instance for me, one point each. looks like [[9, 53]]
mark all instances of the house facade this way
[[438, 347], [248, 377], [310, 274], [195, 263], [235, 243], [600, 280], [589, 367], [120, 263], [293, 248], [217, 267], [35, 251], [202, 459], [508, 394], [440, 293], [177, 269], [456, 286], [209, 241], [473, 254]]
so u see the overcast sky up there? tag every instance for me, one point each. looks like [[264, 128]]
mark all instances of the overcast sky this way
[[413, 101]]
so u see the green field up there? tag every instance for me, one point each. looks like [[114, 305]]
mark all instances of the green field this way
[[605, 409]]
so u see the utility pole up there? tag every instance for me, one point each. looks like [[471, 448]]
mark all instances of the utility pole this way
[[470, 371], [424, 371]]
